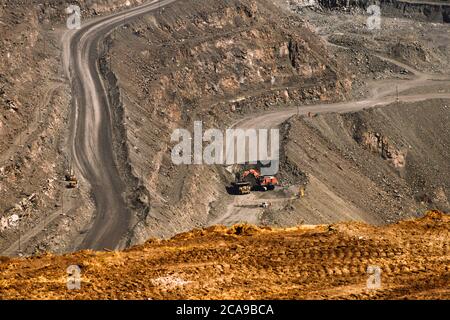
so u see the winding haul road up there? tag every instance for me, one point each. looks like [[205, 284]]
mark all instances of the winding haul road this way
[[91, 139]]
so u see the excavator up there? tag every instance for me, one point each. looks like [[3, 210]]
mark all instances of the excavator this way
[[253, 180]]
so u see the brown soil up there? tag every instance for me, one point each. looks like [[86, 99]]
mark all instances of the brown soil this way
[[247, 262]]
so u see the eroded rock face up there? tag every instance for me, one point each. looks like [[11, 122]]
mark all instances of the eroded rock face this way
[[427, 10], [369, 164], [382, 145], [410, 52]]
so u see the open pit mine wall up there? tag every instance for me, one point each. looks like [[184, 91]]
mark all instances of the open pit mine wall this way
[[435, 12]]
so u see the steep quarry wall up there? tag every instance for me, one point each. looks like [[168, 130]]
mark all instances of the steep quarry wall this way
[[376, 165], [424, 10], [28, 43], [34, 106]]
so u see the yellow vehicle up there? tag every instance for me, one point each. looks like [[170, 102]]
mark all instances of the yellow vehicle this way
[[72, 181], [241, 187]]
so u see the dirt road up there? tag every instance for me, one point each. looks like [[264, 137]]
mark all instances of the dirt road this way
[[91, 142], [382, 93]]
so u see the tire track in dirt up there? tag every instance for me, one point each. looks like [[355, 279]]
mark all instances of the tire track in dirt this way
[[247, 262]]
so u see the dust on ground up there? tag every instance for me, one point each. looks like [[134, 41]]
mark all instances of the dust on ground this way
[[249, 262]]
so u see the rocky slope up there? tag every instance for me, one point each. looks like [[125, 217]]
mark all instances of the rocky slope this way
[[34, 105], [435, 11], [213, 62], [377, 165]]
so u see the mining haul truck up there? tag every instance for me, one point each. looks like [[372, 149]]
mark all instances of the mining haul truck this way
[[253, 180], [241, 187]]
